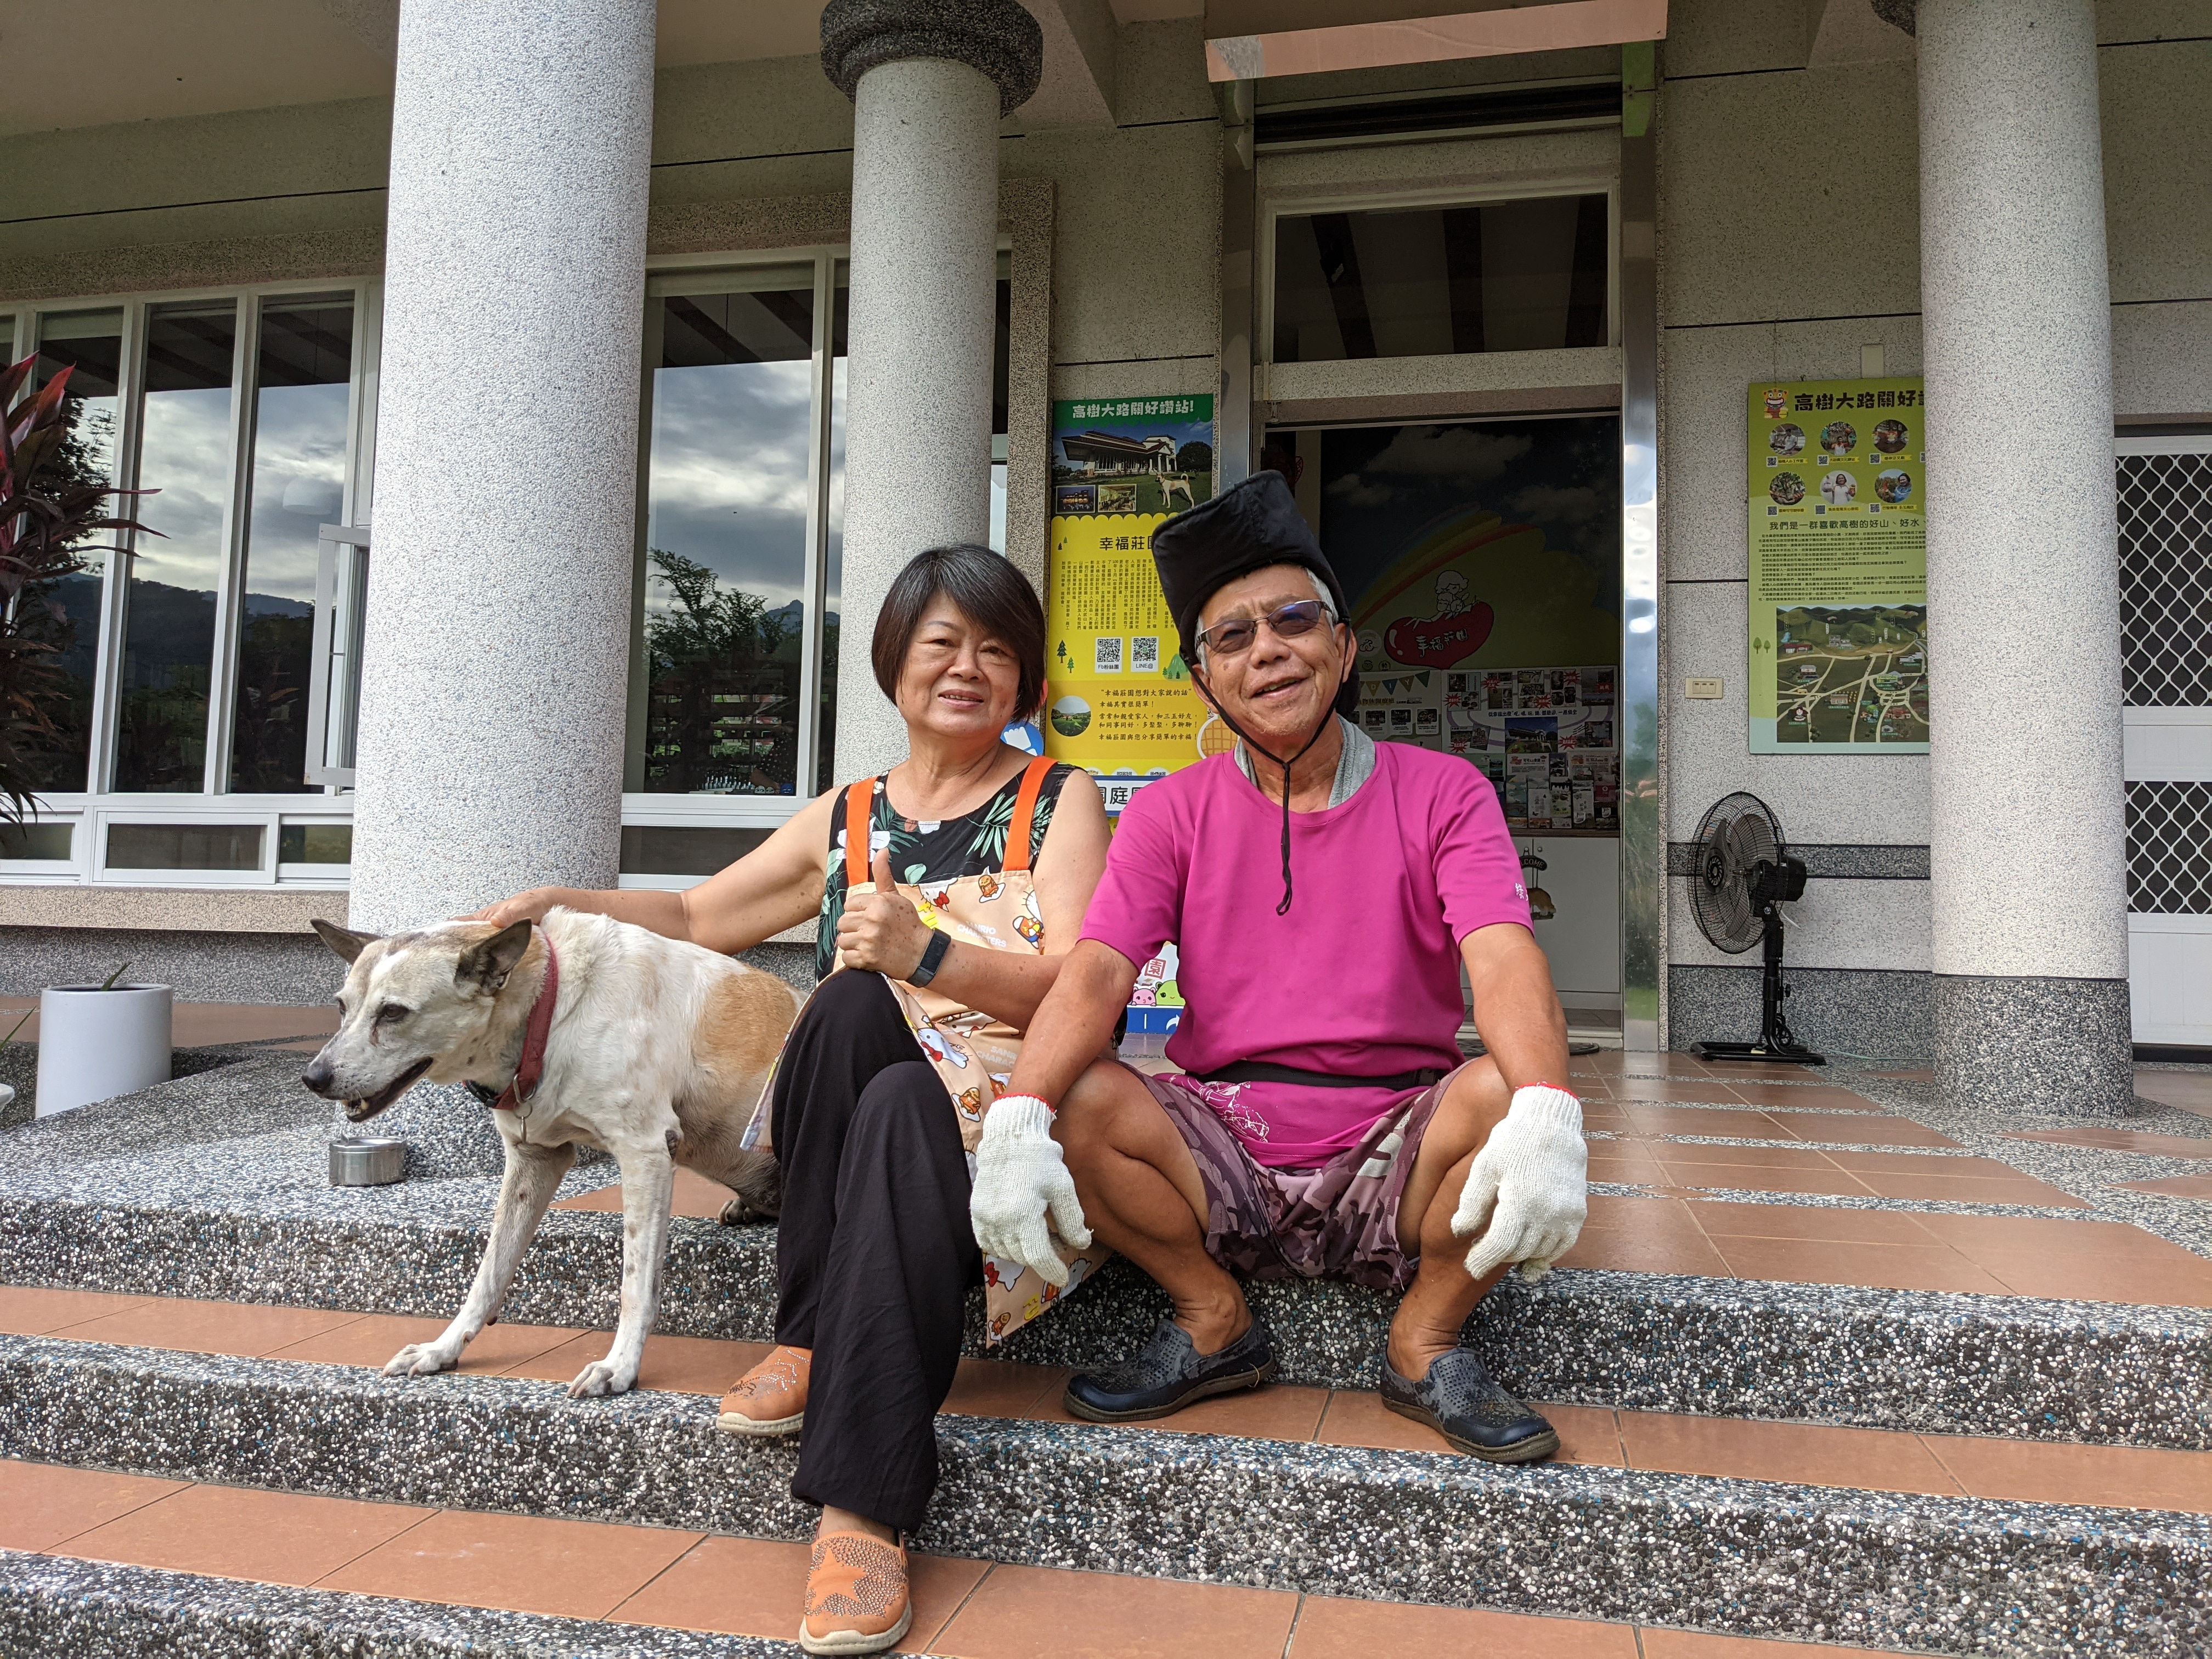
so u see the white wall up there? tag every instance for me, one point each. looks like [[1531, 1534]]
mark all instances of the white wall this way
[[1790, 238]]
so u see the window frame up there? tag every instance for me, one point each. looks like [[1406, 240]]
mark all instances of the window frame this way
[[89, 811], [643, 809], [1301, 203], [248, 300]]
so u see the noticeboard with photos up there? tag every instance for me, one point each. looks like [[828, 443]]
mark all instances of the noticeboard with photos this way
[[1547, 738]]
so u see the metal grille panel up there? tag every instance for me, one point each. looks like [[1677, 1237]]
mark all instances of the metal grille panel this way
[[2165, 579], [2170, 849]]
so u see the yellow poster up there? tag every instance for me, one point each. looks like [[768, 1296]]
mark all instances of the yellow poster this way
[[1118, 700], [1838, 588]]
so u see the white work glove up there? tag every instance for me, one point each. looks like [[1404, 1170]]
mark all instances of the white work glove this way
[[1020, 1178], [1531, 1180]]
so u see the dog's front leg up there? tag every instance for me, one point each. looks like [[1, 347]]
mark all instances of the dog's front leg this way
[[532, 1176], [649, 1183]]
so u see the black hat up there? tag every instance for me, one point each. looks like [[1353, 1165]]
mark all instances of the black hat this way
[[1242, 530]]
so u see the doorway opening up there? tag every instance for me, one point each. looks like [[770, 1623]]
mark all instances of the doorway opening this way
[[1482, 561]]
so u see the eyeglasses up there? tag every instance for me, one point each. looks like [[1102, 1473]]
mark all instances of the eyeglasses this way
[[1234, 637]]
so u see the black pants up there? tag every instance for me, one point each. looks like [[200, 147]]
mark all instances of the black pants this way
[[874, 1251]]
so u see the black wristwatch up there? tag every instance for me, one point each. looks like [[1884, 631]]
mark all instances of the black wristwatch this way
[[933, 957]]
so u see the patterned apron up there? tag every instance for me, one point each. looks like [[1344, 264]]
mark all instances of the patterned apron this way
[[972, 1052]]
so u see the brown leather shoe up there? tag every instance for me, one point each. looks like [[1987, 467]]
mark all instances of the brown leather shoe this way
[[856, 1595], [771, 1398]]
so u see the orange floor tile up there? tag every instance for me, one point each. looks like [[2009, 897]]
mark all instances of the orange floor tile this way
[[43, 1505], [2122, 1140], [527, 1563], [696, 1195], [228, 1532], [2191, 1090], [1329, 1627], [375, 1338], [28, 1311], [200, 1025], [1805, 1454], [1039, 1612], [2172, 1186], [232, 1327]]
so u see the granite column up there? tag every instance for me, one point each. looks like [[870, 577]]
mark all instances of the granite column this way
[[494, 666], [930, 81], [2028, 854]]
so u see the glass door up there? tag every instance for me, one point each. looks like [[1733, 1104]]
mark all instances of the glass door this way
[[1482, 561]]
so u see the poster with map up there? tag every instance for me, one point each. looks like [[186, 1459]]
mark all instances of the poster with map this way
[[1118, 698], [1838, 588]]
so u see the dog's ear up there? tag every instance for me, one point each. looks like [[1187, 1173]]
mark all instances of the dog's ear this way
[[489, 965], [342, 941]]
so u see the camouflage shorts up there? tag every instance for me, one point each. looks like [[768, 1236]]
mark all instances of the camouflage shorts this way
[[1340, 1220]]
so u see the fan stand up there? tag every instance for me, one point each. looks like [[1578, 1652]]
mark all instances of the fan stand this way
[[1776, 1042]]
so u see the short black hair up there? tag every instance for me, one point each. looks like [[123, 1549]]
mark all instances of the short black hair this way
[[986, 589]]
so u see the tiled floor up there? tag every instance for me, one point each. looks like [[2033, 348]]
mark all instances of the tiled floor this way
[[1892, 1249], [200, 1025], [651, 1576], [2191, 1090], [1811, 1454]]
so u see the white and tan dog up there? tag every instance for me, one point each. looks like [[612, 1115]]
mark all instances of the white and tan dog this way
[[655, 1050]]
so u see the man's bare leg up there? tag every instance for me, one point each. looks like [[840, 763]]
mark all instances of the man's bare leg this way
[[1441, 1296], [1142, 1196]]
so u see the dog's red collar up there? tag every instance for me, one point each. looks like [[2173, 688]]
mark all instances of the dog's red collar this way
[[533, 1065]]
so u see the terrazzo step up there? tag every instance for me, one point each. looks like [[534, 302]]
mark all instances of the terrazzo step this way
[[138, 1566], [217, 1186], [1929, 1573], [1920, 1360], [107, 1610]]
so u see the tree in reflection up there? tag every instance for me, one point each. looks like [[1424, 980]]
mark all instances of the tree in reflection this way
[[722, 686], [54, 497], [276, 652]]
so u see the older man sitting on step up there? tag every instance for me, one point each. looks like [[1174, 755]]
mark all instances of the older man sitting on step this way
[[1324, 893]]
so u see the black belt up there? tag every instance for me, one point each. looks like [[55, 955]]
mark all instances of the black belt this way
[[1266, 1071]]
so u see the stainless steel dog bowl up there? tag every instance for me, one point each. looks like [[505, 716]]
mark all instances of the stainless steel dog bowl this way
[[367, 1161]]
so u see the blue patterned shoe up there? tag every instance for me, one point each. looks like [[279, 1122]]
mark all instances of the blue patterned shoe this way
[[1169, 1373], [1461, 1401]]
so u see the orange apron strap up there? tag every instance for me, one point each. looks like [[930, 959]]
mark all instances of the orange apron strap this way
[[1018, 832], [859, 809]]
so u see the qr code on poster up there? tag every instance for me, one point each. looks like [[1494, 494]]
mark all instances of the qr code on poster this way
[[1106, 655], [1144, 654]]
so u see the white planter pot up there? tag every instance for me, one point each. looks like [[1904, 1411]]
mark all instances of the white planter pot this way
[[96, 1044]]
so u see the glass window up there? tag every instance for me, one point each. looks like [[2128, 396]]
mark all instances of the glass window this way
[[1530, 275], [314, 843], [833, 556], [302, 371], [184, 845], [727, 498], [168, 647], [655, 849], [90, 344], [35, 840]]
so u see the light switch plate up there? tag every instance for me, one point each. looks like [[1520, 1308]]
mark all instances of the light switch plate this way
[[1699, 688]]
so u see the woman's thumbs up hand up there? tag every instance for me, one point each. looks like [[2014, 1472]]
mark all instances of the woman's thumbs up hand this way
[[881, 932]]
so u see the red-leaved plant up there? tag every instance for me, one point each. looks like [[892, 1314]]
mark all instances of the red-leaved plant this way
[[49, 504]]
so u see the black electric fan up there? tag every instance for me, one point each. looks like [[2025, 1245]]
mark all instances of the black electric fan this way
[[1745, 874]]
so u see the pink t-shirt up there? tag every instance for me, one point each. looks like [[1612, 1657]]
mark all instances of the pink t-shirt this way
[[1360, 979]]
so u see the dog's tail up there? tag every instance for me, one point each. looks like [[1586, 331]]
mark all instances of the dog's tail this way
[[757, 1180]]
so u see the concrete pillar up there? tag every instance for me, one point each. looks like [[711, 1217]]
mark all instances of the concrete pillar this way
[[2028, 859], [930, 81], [495, 667]]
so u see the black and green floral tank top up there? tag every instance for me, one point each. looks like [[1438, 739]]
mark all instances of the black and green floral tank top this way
[[945, 850]]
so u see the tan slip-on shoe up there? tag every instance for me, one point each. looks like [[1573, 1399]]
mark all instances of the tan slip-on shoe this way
[[771, 1398], [857, 1599]]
